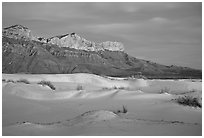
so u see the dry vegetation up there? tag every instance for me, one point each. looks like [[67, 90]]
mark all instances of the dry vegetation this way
[[23, 81], [79, 87], [124, 110], [164, 90], [10, 81], [47, 83], [189, 101]]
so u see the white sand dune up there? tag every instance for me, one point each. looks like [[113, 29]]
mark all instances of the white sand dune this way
[[103, 86], [36, 92], [99, 122], [151, 110], [81, 78]]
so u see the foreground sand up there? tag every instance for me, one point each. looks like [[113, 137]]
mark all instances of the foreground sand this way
[[31, 109]]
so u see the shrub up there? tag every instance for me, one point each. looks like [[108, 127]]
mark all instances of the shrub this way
[[124, 110], [105, 88], [188, 101], [47, 83], [11, 81], [115, 87], [79, 87], [165, 90], [122, 88], [23, 81]]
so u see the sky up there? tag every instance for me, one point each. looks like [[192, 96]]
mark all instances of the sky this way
[[166, 33]]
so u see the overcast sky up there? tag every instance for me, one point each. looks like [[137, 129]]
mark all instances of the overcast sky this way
[[166, 33]]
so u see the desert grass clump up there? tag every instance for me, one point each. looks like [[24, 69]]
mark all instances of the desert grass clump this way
[[189, 101], [124, 110], [121, 88], [47, 83], [79, 87], [11, 81], [106, 88], [115, 87], [23, 81], [164, 90]]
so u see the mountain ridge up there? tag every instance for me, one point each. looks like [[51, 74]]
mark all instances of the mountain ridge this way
[[71, 40], [24, 53]]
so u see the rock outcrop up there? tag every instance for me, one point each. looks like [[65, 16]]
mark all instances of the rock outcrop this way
[[112, 46], [17, 32], [40, 39], [75, 41], [71, 40]]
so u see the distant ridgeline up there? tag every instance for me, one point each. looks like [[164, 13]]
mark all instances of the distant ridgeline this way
[[24, 53]]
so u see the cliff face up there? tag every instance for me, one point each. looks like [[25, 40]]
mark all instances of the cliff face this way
[[23, 53], [75, 41], [69, 40], [17, 32]]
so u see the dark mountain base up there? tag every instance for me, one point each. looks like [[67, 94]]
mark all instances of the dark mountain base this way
[[33, 57]]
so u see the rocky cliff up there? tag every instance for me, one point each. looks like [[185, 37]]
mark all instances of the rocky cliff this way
[[75, 41], [70, 53], [17, 32], [71, 40]]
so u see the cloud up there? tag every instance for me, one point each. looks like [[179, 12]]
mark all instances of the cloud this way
[[159, 20], [115, 6], [130, 7], [110, 27]]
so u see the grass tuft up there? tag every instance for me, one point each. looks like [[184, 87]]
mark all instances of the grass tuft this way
[[188, 101], [11, 81], [124, 110], [164, 90], [116, 88], [121, 88], [23, 81], [79, 87], [47, 83]]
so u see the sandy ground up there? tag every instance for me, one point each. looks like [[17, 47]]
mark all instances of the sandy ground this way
[[32, 109]]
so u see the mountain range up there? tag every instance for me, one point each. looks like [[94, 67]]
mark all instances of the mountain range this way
[[22, 52]]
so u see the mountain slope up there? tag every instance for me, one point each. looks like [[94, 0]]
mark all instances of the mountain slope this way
[[24, 53]]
